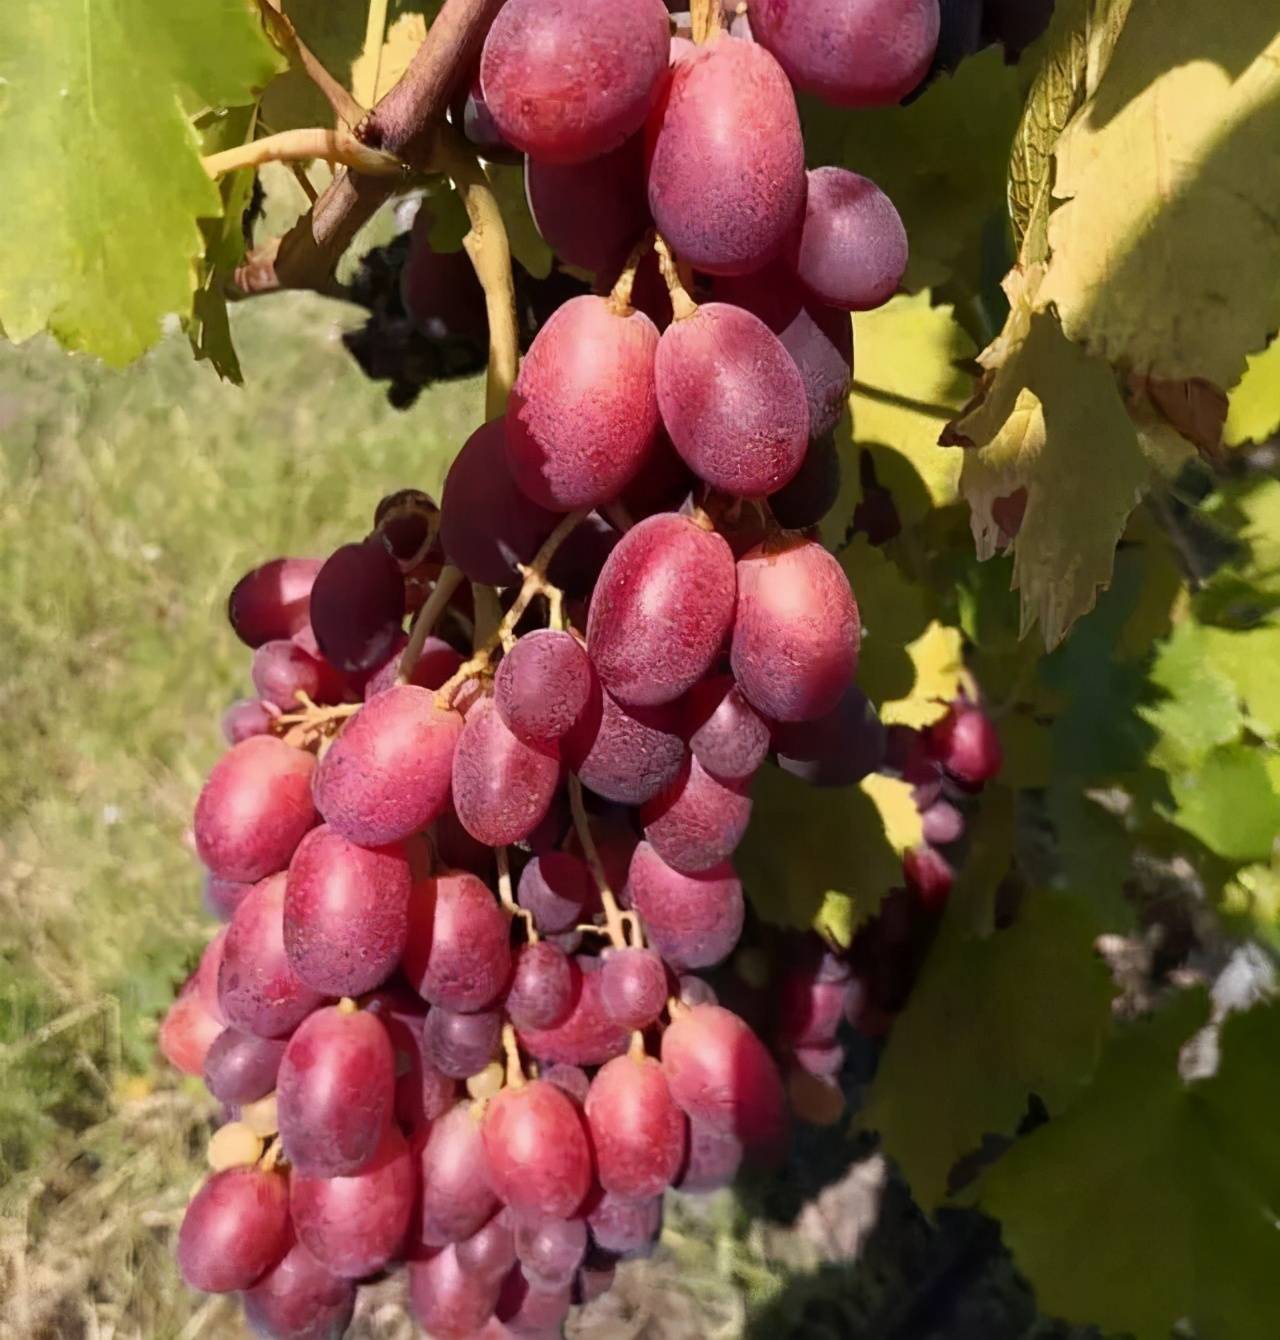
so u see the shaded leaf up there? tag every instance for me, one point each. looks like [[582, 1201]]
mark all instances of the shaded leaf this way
[[1198, 708]]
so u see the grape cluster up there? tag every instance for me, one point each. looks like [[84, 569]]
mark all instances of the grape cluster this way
[[474, 832]]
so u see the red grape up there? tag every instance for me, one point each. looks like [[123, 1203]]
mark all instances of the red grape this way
[[721, 1073], [422, 1092], [448, 1302], [633, 986], [809, 1011], [551, 1250], [282, 670], [625, 754], [568, 80], [966, 744], [335, 1092], [838, 748], [457, 954], [235, 1229], [436, 663], [346, 912], [693, 921], [387, 774], [223, 896], [298, 1299], [571, 1078], [487, 524], [664, 483], [928, 872], [258, 991], [490, 1251], [556, 888], [813, 490], [189, 1031], [661, 610], [543, 986], [698, 821], [527, 1309], [461, 1045], [726, 735], [542, 685], [723, 199], [591, 214], [502, 787], [537, 1150], [732, 399], [241, 1067], [583, 415], [796, 631], [357, 605], [589, 1036], [853, 53], [355, 1225], [206, 974], [246, 717], [254, 809], [272, 601], [942, 824], [637, 1131], [712, 1158], [851, 249], [624, 1226], [457, 1197]]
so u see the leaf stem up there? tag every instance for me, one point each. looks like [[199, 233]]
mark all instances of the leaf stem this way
[[298, 146]]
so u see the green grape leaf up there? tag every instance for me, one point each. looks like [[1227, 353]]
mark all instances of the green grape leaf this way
[[1249, 660], [103, 182], [1199, 708], [942, 159], [1253, 406], [1250, 903], [990, 1021], [1164, 256], [907, 384], [1094, 852], [1231, 802], [1152, 1201], [825, 856], [526, 241]]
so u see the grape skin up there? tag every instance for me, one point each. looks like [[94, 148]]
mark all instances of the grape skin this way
[[491, 1250], [625, 754], [556, 888], [346, 913], [693, 921], [839, 748], [298, 1299], [457, 953], [542, 685], [436, 663], [457, 1199], [814, 488], [241, 1067], [448, 1302], [235, 1229], [698, 821], [538, 1157], [189, 1031], [589, 1036], [543, 986], [633, 986], [272, 601], [357, 606], [624, 1226], [550, 1250], [726, 735], [637, 1131], [461, 1045], [246, 717]]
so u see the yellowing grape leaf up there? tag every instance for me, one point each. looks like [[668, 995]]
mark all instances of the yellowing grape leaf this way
[[942, 159], [1165, 255], [990, 1021], [907, 384], [103, 185], [825, 856], [1231, 802], [1253, 407], [404, 36], [1049, 428], [938, 658], [1153, 1201]]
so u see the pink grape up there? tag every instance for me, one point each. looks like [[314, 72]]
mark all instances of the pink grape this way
[[583, 415], [346, 912], [853, 53], [543, 986], [502, 787], [838, 748], [625, 754], [526, 1309], [205, 976], [720, 1072], [732, 399], [712, 1158], [335, 1092], [272, 601], [576, 565], [966, 744], [537, 1151], [929, 873], [726, 735], [542, 685], [698, 821], [282, 671], [633, 986], [637, 1130], [565, 81], [457, 953], [571, 1078], [809, 1011], [693, 921], [589, 1036], [725, 200], [625, 1226], [254, 809], [615, 841], [387, 774], [355, 1225], [422, 1091], [661, 610], [851, 249], [223, 896], [189, 1031], [488, 525], [551, 1250], [942, 824], [436, 662], [241, 1067], [591, 214], [357, 605], [796, 631], [257, 988], [246, 717], [461, 1045], [457, 1198], [490, 1251], [448, 1302], [235, 1229], [298, 1299], [556, 888]]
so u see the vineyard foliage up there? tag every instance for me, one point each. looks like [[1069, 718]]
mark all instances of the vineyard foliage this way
[[1064, 406]]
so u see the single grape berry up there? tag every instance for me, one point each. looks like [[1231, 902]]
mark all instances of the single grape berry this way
[[357, 605], [272, 601], [235, 1230], [538, 1155], [637, 1130], [542, 685]]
